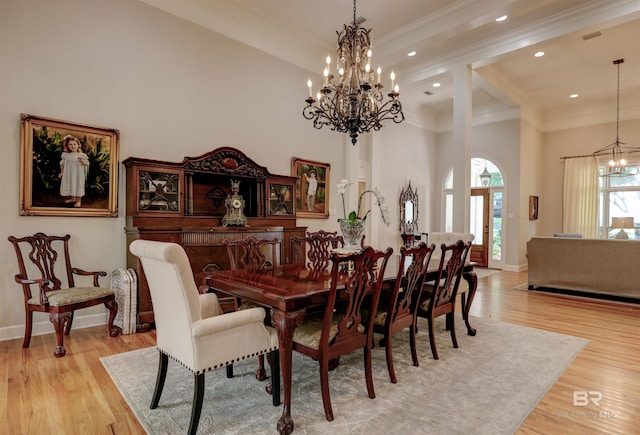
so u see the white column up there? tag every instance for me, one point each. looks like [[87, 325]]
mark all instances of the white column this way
[[462, 147]]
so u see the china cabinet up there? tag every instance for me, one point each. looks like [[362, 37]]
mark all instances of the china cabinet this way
[[185, 202]]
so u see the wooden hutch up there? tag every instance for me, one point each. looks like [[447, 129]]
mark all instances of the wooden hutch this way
[[185, 203]]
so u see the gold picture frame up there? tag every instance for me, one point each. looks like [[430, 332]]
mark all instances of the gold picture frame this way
[[56, 182], [316, 205]]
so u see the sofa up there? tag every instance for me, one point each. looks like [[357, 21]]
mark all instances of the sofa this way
[[600, 266]]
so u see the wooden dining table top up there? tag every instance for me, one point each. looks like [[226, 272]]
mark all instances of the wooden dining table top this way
[[286, 287]]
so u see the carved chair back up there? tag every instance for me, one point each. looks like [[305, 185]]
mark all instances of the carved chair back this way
[[408, 285], [253, 254], [362, 290], [38, 257], [315, 249], [449, 275]]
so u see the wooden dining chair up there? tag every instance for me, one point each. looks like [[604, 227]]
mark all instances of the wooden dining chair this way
[[439, 297], [314, 250], [343, 328], [254, 255], [399, 310], [38, 265]]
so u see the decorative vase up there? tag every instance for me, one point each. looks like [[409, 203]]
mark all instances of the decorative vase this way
[[352, 231]]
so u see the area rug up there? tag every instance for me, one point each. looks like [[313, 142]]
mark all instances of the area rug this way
[[489, 385]]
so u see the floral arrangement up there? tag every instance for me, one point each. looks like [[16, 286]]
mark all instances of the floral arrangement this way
[[355, 214]]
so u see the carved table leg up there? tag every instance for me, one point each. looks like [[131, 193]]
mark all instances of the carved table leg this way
[[285, 324], [472, 280]]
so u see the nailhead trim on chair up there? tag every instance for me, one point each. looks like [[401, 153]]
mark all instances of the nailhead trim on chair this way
[[217, 366]]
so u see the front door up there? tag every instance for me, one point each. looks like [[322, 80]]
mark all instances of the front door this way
[[479, 212]]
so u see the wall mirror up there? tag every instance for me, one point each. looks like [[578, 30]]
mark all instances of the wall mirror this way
[[409, 210]]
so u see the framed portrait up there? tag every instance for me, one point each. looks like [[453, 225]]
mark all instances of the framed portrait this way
[[533, 208], [67, 169], [312, 188]]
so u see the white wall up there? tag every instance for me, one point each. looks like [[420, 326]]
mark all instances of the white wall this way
[[172, 89]]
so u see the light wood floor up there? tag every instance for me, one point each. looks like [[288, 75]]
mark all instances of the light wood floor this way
[[74, 395]]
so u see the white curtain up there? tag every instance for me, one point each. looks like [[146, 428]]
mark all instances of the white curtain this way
[[580, 204]]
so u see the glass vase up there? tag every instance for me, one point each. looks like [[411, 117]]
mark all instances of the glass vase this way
[[352, 231]]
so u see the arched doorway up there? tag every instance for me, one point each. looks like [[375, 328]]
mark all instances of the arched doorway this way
[[486, 211]]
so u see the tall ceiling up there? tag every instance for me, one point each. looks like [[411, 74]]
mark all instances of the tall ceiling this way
[[580, 38]]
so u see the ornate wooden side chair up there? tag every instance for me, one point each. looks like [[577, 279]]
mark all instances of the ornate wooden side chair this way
[[399, 310], [439, 298], [314, 250], [252, 253], [37, 263], [192, 329], [255, 255], [343, 328]]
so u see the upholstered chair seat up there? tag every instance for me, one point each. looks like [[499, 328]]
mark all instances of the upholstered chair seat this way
[[310, 331], [73, 295]]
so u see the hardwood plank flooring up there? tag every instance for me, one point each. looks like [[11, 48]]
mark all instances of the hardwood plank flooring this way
[[74, 395]]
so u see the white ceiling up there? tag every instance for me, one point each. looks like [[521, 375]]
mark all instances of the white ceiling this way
[[446, 33]]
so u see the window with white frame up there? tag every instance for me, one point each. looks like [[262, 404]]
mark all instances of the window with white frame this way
[[619, 207]]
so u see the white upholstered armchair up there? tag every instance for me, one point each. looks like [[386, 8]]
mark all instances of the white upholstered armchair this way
[[191, 327]]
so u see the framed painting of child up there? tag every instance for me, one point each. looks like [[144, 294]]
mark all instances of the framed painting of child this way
[[312, 188], [67, 169]]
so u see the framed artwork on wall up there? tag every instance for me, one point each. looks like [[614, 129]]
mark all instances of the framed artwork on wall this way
[[533, 208], [312, 188], [67, 169]]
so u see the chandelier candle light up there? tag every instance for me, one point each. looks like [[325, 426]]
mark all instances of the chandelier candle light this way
[[354, 103], [352, 225]]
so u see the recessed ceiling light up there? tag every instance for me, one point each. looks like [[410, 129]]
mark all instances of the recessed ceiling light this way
[[539, 54], [411, 53], [436, 85], [573, 96], [502, 18]]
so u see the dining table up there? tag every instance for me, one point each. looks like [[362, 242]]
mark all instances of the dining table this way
[[289, 291]]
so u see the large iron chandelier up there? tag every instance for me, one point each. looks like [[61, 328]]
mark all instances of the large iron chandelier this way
[[617, 153], [354, 102]]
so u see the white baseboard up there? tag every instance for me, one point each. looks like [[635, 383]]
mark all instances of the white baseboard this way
[[515, 267], [42, 325]]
